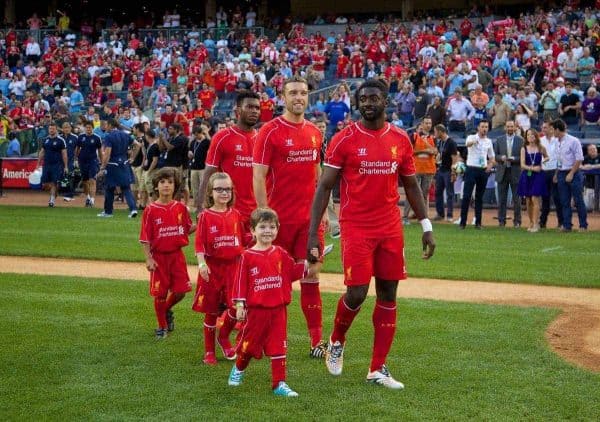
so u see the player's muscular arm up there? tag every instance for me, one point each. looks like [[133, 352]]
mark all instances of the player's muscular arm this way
[[208, 171], [325, 218], [417, 203], [326, 184], [259, 184]]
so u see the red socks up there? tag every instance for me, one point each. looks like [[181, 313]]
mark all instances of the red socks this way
[[160, 308], [310, 301], [173, 299], [278, 366], [384, 325], [343, 320], [229, 322], [242, 361], [210, 326]]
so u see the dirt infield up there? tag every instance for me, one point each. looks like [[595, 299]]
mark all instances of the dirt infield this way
[[574, 334]]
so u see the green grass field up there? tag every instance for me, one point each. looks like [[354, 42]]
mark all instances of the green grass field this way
[[83, 349], [492, 254]]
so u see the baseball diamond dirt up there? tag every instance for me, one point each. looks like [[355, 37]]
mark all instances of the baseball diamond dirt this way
[[574, 334]]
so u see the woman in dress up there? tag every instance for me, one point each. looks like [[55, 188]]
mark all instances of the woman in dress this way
[[532, 183]]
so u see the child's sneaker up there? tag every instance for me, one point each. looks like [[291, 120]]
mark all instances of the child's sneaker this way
[[170, 320], [235, 377], [384, 378], [209, 359], [284, 390], [160, 333], [228, 350]]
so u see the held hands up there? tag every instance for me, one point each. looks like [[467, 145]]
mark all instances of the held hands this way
[[428, 245], [569, 177], [203, 270], [313, 253], [240, 311], [151, 264]]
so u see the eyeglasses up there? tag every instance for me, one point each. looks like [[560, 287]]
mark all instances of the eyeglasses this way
[[223, 190]]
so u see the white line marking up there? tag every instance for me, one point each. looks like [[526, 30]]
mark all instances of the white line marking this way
[[555, 248]]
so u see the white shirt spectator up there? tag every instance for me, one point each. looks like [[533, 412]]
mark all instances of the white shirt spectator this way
[[250, 18], [165, 62], [249, 75], [428, 51], [460, 110], [33, 49], [221, 44], [92, 70], [551, 146], [472, 74], [479, 153], [18, 87]]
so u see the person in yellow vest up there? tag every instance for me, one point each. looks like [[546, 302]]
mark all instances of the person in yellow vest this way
[[425, 153]]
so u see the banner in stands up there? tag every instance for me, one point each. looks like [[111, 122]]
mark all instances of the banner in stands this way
[[16, 171]]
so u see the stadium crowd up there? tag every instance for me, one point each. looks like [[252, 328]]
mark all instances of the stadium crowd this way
[[528, 69]]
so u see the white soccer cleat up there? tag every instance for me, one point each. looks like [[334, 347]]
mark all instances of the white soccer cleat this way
[[384, 378], [334, 358]]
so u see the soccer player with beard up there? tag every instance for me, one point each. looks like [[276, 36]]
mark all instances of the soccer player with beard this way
[[286, 167], [369, 156]]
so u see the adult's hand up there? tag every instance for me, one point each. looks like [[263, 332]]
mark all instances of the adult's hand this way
[[428, 245]]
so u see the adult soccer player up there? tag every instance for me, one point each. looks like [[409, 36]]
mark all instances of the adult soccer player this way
[[230, 152], [286, 166], [368, 156]]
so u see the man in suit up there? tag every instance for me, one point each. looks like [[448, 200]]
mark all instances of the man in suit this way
[[508, 155]]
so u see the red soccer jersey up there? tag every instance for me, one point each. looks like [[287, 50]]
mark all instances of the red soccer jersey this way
[[369, 163], [207, 97], [264, 278], [267, 108], [219, 234], [291, 151], [230, 151], [148, 78], [117, 75], [165, 227]]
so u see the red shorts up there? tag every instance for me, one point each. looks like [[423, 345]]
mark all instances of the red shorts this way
[[170, 274], [215, 294], [364, 257], [265, 332], [294, 239]]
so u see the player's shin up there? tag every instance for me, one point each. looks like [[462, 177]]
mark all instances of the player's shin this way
[[312, 307], [278, 370], [210, 326], [173, 299], [160, 310], [229, 322], [384, 324], [242, 361], [344, 316]]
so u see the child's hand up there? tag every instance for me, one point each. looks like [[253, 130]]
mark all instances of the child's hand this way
[[151, 264], [204, 271], [240, 312]]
